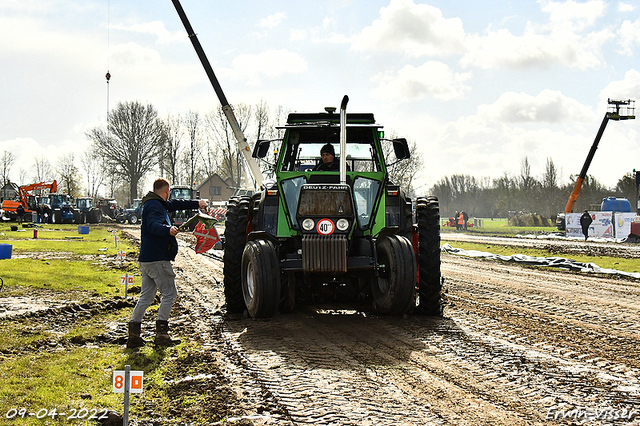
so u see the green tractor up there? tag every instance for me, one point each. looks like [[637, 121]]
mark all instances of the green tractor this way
[[345, 232], [326, 234]]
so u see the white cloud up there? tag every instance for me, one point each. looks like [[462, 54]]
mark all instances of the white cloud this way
[[271, 63], [132, 54], [573, 15], [549, 106], [298, 35], [157, 29], [628, 37], [272, 20], [432, 79], [536, 48], [412, 29], [625, 7], [627, 88]]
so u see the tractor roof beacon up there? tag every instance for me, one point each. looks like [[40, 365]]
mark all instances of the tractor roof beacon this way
[[310, 235]]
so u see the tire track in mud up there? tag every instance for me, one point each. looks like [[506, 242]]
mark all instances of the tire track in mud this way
[[495, 360]]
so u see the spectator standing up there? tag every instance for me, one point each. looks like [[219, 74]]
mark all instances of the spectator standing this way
[[585, 223], [20, 213], [158, 247]]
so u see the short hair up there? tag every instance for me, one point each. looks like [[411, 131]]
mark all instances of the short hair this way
[[159, 184]]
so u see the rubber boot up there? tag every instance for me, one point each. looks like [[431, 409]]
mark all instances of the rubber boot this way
[[162, 334], [134, 340]]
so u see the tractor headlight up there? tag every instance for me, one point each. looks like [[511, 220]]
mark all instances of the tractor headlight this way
[[308, 224], [342, 224]]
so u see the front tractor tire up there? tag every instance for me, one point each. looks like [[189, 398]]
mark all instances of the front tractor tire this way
[[56, 217], [260, 278], [133, 219], [235, 238], [429, 284], [394, 288]]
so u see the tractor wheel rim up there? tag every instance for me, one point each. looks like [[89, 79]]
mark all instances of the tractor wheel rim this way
[[250, 281]]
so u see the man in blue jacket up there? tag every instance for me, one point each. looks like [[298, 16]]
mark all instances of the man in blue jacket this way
[[158, 247]]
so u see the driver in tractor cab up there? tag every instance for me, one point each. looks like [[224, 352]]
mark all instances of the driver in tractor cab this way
[[328, 164]]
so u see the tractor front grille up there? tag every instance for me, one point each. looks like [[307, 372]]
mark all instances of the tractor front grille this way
[[322, 253]]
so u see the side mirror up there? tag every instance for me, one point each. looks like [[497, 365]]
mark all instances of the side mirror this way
[[261, 149], [401, 148]]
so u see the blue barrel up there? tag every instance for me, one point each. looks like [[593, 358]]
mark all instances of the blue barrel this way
[[5, 251]]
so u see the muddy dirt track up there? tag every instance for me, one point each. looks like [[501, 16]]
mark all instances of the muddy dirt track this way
[[516, 346]]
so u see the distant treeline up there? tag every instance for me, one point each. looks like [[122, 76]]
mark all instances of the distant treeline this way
[[509, 195]]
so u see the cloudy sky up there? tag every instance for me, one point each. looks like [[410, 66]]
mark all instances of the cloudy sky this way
[[478, 85]]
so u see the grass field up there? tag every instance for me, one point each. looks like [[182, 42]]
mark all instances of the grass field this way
[[608, 262], [498, 226], [50, 366]]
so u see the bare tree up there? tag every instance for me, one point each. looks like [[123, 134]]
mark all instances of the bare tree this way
[[93, 171], [68, 173], [131, 143], [404, 171], [550, 187], [23, 176], [527, 181], [225, 144], [193, 124], [265, 128], [6, 162], [42, 169], [172, 147]]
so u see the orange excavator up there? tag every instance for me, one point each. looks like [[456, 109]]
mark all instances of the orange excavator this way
[[617, 110], [10, 206]]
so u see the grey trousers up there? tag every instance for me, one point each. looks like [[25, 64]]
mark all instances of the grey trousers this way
[[156, 276]]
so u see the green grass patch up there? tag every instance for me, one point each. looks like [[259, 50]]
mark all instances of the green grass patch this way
[[73, 279], [65, 238], [498, 226], [65, 381], [609, 262]]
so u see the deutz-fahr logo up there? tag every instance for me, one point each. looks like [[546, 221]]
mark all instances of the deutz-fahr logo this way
[[313, 187]]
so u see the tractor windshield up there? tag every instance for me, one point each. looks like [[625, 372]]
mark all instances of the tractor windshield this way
[[84, 203], [304, 144], [180, 194]]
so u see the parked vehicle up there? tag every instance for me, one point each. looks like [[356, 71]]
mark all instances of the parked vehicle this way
[[182, 192], [132, 215], [109, 208], [26, 200], [89, 213], [60, 208]]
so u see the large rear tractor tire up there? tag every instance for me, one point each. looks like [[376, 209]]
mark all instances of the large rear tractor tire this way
[[430, 285], [95, 216], [394, 288], [235, 238], [260, 278]]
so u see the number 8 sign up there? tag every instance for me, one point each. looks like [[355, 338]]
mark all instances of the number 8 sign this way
[[135, 381]]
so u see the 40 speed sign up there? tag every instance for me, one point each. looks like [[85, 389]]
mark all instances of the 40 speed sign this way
[[325, 227]]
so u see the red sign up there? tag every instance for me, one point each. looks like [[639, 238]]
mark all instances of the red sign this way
[[325, 227], [205, 238]]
